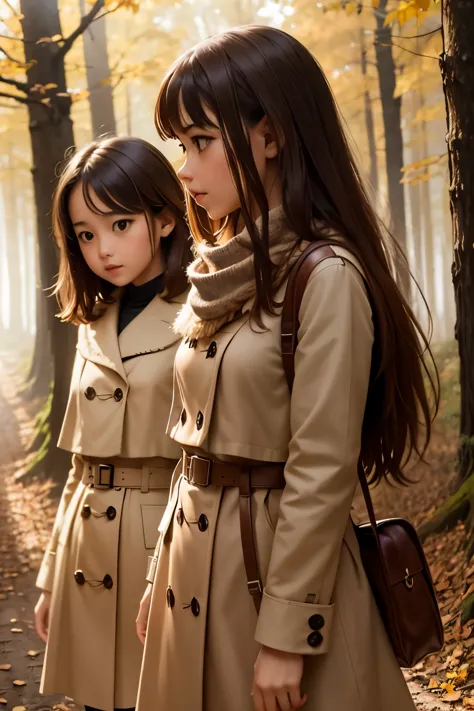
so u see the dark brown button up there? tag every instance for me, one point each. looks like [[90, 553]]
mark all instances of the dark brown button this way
[[118, 395], [79, 577], [315, 639], [180, 516], [111, 513], [212, 350], [199, 420], [203, 523], [86, 511], [108, 582], [195, 607], [90, 393], [170, 597], [316, 622], [184, 416]]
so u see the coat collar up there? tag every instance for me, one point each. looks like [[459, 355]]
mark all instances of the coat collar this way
[[150, 330]]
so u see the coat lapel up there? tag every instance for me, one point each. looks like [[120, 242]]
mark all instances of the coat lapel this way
[[98, 341], [152, 329]]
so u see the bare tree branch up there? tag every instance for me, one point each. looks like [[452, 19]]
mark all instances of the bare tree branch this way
[[11, 8], [405, 49], [9, 56], [82, 27], [21, 85], [22, 99], [425, 34]]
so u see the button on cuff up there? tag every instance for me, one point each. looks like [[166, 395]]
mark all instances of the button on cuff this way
[[285, 625]]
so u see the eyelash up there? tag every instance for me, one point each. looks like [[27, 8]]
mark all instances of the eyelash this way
[[195, 140], [82, 238]]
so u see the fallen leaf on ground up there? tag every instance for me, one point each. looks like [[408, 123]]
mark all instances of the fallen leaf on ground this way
[[468, 702], [433, 683], [19, 682], [19, 708], [16, 629], [33, 653], [452, 696], [3, 701]]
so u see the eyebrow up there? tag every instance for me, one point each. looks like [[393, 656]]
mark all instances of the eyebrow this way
[[112, 213]]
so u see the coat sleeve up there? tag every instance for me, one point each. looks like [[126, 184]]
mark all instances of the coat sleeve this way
[[45, 578], [332, 368]]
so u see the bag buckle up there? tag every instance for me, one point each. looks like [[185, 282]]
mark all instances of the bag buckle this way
[[255, 587], [104, 476]]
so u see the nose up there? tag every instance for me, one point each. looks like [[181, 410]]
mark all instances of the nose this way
[[185, 173], [106, 248]]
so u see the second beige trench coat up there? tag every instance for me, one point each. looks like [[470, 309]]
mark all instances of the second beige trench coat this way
[[231, 401], [118, 407]]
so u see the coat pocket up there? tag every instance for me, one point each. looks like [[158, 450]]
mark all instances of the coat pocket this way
[[271, 506], [151, 518]]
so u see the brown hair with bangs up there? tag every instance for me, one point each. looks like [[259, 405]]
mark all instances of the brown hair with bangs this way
[[130, 176], [239, 77]]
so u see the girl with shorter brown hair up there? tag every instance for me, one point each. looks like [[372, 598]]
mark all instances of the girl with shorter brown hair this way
[[118, 218], [260, 598]]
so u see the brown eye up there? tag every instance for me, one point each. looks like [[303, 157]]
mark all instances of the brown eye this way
[[121, 225], [86, 236]]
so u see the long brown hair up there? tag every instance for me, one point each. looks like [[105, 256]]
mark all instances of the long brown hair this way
[[239, 77], [129, 176]]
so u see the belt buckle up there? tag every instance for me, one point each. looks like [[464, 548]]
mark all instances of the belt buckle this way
[[99, 472], [194, 461]]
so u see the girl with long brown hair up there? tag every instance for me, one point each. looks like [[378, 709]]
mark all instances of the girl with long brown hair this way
[[118, 218], [267, 170]]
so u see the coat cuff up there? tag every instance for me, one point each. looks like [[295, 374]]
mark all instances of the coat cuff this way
[[297, 627], [45, 578], [151, 570]]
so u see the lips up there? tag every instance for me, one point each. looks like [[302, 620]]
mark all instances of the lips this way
[[197, 195], [112, 267]]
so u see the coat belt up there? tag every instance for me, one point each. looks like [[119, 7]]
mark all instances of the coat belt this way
[[201, 471], [107, 476]]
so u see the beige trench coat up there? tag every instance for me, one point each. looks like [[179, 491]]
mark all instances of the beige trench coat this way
[[115, 409], [231, 400]]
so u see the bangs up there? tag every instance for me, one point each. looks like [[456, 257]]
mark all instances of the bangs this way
[[113, 186], [186, 86]]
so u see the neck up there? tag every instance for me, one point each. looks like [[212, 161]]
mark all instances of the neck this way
[[154, 269]]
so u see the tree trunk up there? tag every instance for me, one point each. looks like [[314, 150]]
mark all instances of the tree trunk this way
[[98, 70], [12, 251], [391, 110], [369, 118], [414, 192], [51, 135], [430, 290], [457, 69]]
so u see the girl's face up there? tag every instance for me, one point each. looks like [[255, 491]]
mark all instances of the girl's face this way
[[206, 173], [117, 246]]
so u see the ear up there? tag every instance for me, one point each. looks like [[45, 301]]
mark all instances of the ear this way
[[165, 223], [265, 129]]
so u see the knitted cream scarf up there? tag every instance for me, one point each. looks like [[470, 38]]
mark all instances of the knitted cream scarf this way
[[222, 277]]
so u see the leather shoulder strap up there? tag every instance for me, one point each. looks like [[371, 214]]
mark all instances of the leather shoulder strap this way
[[313, 255]]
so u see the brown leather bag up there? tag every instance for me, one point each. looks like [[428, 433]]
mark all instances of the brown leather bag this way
[[391, 552]]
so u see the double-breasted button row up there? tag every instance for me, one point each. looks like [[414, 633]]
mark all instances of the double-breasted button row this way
[[91, 393], [316, 623], [107, 581], [111, 512]]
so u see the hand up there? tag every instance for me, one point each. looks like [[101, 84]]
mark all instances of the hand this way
[[42, 615], [277, 680], [142, 617]]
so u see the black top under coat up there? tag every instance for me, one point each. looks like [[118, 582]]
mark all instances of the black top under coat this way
[[137, 298]]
